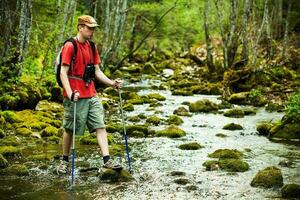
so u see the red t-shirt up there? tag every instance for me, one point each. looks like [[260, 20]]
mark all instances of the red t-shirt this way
[[84, 56]]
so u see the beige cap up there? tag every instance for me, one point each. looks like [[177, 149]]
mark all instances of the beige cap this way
[[87, 20]]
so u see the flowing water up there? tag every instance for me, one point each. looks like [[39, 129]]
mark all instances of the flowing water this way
[[154, 159]]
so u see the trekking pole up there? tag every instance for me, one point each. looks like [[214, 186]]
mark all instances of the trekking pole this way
[[125, 134], [73, 148]]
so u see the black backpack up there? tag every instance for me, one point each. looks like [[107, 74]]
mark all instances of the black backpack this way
[[58, 63]]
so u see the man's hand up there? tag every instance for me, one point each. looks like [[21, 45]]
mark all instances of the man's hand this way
[[117, 84], [74, 96]]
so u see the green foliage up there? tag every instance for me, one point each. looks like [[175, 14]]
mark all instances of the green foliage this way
[[293, 107]]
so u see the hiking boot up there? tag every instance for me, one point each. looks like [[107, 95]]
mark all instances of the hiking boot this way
[[62, 168], [111, 164]]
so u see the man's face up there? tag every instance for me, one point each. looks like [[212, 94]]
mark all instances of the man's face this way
[[87, 32]]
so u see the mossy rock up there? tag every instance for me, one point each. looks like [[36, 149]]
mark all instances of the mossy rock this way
[[182, 181], [10, 116], [200, 89], [88, 139], [110, 175], [2, 134], [40, 157], [137, 134], [23, 132], [117, 150], [175, 119], [172, 132], [114, 127], [181, 111], [225, 105], [233, 126], [182, 92], [221, 135], [286, 131], [156, 96], [131, 128], [274, 107], [153, 120], [226, 153], [142, 116], [239, 98], [8, 102], [3, 162], [134, 119], [150, 69], [111, 91], [203, 106], [128, 107], [16, 169], [49, 131], [264, 128], [268, 178], [10, 141], [2, 120], [10, 151], [229, 165], [136, 101], [250, 111], [177, 173], [290, 191], [53, 139], [236, 113], [190, 146]]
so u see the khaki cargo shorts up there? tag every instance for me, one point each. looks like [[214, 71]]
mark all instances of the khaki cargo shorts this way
[[89, 112]]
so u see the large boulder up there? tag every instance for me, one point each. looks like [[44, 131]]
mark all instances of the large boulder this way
[[268, 178], [203, 106]]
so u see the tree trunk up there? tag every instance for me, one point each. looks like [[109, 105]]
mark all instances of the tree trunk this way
[[286, 30], [209, 47], [132, 37], [232, 42], [270, 52], [245, 21], [24, 31]]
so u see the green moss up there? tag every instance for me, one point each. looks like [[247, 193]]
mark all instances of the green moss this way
[[229, 165], [142, 116], [182, 92], [114, 127], [10, 141], [233, 126], [290, 191], [221, 135], [174, 119], [8, 102], [134, 119], [128, 107], [203, 106], [117, 150], [137, 134], [172, 132], [115, 176], [181, 111], [10, 151], [156, 96], [190, 146], [226, 153], [2, 134], [2, 120], [10, 116], [88, 139], [54, 139], [153, 120], [286, 131], [239, 98], [250, 111], [274, 107], [17, 169], [49, 131], [264, 128], [23, 131], [141, 128], [268, 178], [3, 162], [136, 101], [236, 113], [40, 157]]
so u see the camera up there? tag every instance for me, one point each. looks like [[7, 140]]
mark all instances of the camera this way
[[89, 73]]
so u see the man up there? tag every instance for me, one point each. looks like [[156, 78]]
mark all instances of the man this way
[[89, 109]]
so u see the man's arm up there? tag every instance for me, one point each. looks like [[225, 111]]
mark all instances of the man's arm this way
[[100, 76], [66, 84]]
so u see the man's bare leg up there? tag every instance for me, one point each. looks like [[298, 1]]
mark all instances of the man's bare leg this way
[[102, 141], [67, 140]]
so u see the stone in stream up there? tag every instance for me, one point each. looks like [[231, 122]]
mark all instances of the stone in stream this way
[[290, 191], [204, 105], [268, 178], [229, 165], [177, 173], [226, 153], [286, 163], [182, 181], [233, 126], [235, 113], [190, 146], [181, 111], [110, 175], [172, 132], [16, 169]]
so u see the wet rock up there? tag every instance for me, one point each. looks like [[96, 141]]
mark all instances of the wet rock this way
[[177, 173], [236, 113], [264, 128], [221, 135], [137, 134], [110, 175], [167, 73], [156, 96], [226, 153], [131, 128], [128, 107], [181, 111], [174, 119], [191, 188], [10, 116], [286, 131], [229, 165], [153, 120], [290, 191], [268, 178], [138, 101], [274, 107], [182, 92], [23, 132], [16, 169], [172, 132], [49, 131], [225, 105], [190, 146], [203, 106], [239, 98], [149, 69], [134, 119], [3, 162], [10, 151], [286, 163], [233, 126], [182, 181], [250, 111]]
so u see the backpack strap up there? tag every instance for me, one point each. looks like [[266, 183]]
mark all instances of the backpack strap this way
[[74, 53], [93, 46]]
